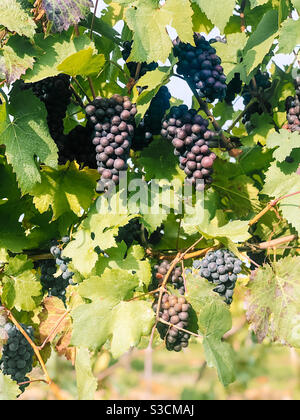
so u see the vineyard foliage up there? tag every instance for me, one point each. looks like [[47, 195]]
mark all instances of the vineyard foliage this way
[[80, 100]]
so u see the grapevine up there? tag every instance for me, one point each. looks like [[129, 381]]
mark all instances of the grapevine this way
[[149, 201]]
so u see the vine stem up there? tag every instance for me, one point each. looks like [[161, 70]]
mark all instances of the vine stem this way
[[242, 16], [179, 329], [272, 204], [240, 116], [276, 242], [81, 88], [93, 19]]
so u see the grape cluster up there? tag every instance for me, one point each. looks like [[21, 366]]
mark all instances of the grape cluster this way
[[77, 146], [56, 94], [17, 355], [132, 232], [151, 123], [190, 136], [221, 268], [174, 310], [293, 109], [176, 277], [201, 66], [56, 286], [113, 122], [262, 83], [234, 87], [132, 66]]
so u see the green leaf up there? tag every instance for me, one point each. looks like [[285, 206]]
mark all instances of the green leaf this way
[[273, 309], [86, 381], [214, 320], [55, 50], [125, 321], [25, 137], [148, 23], [83, 63], [296, 4], [218, 15], [279, 184], [200, 21], [98, 230], [15, 19], [289, 36], [255, 3], [21, 288], [114, 285], [285, 142], [65, 189], [9, 389], [229, 52], [15, 58], [261, 40]]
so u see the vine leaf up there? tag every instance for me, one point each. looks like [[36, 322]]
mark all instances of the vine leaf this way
[[83, 63], [279, 183], [95, 231], [86, 382], [109, 315], [55, 52], [21, 288], [15, 58], [149, 22], [9, 389], [26, 136], [217, 15], [15, 19], [133, 259], [272, 307], [53, 310], [260, 42], [65, 189], [214, 320], [65, 13], [285, 142], [289, 36]]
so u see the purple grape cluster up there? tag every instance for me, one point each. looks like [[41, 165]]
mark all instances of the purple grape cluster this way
[[201, 66], [293, 109], [176, 277], [221, 268], [190, 136], [151, 123], [77, 146], [56, 94], [113, 122], [262, 83], [174, 310], [17, 354]]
